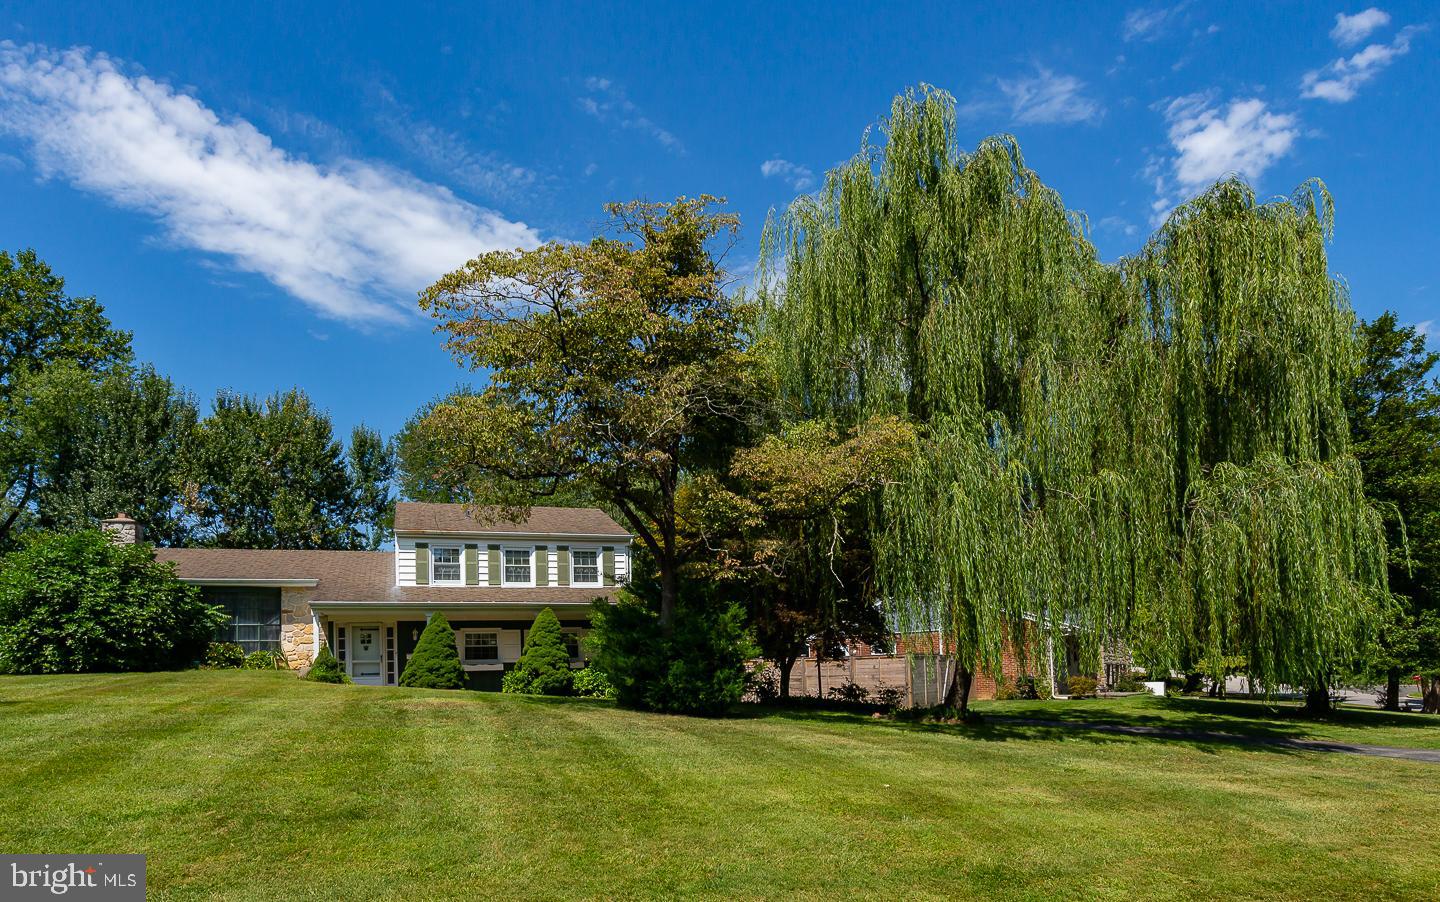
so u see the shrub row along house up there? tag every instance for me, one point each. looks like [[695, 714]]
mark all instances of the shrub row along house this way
[[489, 577]]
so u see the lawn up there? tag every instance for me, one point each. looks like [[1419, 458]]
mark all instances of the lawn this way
[[258, 786]]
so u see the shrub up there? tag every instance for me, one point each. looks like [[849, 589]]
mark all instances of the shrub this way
[[889, 696], [223, 655], [850, 692], [544, 666], [326, 668], [1128, 683], [762, 684], [78, 603], [697, 668], [593, 683], [435, 663], [265, 660], [1005, 690], [1082, 686]]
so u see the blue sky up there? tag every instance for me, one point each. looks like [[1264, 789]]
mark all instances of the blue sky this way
[[258, 194]]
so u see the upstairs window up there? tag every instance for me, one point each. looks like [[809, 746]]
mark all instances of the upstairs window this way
[[517, 567], [445, 564], [585, 567], [482, 648]]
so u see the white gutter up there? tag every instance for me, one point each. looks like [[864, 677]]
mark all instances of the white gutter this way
[[274, 583]]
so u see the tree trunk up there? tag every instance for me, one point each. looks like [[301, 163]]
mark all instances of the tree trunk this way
[[957, 696], [1430, 695], [786, 665], [1317, 700], [1392, 689]]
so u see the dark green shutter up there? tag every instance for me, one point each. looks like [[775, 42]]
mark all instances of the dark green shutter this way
[[472, 565], [562, 565], [494, 579], [608, 554], [542, 566], [422, 563]]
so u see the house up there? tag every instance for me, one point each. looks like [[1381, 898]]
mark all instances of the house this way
[[489, 577]]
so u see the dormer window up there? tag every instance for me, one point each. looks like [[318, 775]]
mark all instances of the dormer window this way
[[445, 564], [518, 571]]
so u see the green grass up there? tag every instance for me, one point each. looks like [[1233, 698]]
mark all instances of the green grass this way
[[254, 785], [1366, 726]]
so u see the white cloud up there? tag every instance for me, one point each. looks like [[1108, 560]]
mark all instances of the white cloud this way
[[1339, 81], [1356, 28], [1245, 138], [353, 240], [796, 176], [1046, 97], [1118, 225], [1149, 23], [451, 156], [1210, 142], [605, 100]]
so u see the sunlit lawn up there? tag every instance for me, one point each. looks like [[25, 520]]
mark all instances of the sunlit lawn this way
[[258, 786]]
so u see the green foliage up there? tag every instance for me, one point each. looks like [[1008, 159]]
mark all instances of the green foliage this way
[[1082, 686], [785, 530], [265, 660], [327, 668], [544, 665], [592, 682], [224, 655], [270, 475], [1128, 683], [372, 465], [118, 444], [616, 366], [435, 663], [77, 603], [1155, 449], [697, 667], [41, 327]]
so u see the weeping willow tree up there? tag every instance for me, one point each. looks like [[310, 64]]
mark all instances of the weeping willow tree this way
[[1151, 452]]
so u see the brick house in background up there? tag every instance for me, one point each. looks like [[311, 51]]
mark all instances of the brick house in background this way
[[489, 577]]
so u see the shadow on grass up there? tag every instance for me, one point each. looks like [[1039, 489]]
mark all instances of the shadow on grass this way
[[1203, 724]]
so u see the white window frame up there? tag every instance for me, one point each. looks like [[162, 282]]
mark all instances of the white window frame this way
[[599, 565], [504, 566], [460, 637], [459, 562]]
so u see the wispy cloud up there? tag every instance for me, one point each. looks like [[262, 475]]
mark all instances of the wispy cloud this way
[[451, 156], [352, 240], [1210, 140], [1355, 28], [1119, 226], [796, 176], [1149, 23], [1047, 97], [606, 101], [1340, 80]]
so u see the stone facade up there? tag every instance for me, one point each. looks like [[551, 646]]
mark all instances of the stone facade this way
[[122, 530], [297, 627]]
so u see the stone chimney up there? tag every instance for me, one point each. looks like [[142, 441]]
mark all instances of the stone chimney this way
[[123, 530]]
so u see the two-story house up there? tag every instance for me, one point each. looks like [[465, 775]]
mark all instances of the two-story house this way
[[489, 578]]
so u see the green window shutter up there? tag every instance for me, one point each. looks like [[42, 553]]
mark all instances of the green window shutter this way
[[607, 555], [472, 565], [542, 565], [422, 563], [494, 579], [562, 565]]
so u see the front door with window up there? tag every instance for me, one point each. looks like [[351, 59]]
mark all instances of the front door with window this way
[[366, 656]]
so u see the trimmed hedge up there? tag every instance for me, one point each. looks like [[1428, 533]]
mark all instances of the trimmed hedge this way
[[435, 663]]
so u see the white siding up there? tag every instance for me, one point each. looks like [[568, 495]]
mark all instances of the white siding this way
[[404, 561], [405, 554]]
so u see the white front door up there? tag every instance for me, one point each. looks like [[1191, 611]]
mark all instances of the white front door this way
[[366, 656]]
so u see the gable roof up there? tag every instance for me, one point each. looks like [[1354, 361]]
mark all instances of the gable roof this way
[[416, 516], [351, 576]]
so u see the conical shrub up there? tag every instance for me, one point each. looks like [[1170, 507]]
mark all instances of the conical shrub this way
[[435, 663], [544, 667], [326, 668]]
